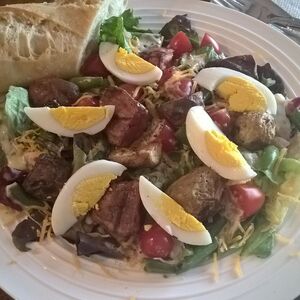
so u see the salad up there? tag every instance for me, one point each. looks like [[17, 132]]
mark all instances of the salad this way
[[165, 151]]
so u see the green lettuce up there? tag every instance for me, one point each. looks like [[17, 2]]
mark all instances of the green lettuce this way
[[16, 100], [119, 30], [88, 148], [180, 23]]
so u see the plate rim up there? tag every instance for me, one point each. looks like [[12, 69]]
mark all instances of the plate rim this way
[[10, 272]]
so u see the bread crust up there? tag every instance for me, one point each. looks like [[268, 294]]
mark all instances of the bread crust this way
[[47, 39]]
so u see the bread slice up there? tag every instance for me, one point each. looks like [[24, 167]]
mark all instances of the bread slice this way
[[49, 39]]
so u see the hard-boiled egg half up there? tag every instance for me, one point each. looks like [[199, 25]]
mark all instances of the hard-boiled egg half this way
[[213, 148], [170, 216], [243, 93], [81, 192], [67, 121], [128, 67]]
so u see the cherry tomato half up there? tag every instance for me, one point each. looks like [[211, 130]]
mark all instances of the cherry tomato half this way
[[248, 197], [93, 66], [181, 44], [208, 40], [156, 242]]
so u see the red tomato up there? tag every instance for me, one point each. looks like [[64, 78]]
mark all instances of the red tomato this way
[[168, 139], [167, 74], [156, 242], [249, 198], [222, 119], [208, 40], [93, 66], [87, 100], [131, 89], [180, 43]]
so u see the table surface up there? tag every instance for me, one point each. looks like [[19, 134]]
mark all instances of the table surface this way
[[291, 6]]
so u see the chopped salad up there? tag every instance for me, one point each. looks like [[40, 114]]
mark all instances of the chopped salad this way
[[165, 150]]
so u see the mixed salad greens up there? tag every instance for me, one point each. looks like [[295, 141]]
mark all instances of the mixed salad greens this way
[[148, 135]]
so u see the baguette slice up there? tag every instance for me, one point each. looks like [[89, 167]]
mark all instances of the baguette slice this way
[[49, 39]]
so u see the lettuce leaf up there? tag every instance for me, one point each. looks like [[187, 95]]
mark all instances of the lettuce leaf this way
[[266, 161], [262, 241], [130, 21], [271, 79], [180, 23], [198, 58], [119, 30], [242, 63], [88, 148], [113, 31], [16, 100]]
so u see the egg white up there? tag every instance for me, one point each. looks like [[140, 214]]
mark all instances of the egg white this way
[[107, 53], [63, 216], [43, 118], [197, 122], [210, 78], [151, 197]]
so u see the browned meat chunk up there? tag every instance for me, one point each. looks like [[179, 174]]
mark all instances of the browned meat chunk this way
[[147, 156], [199, 192], [160, 57], [131, 117], [175, 111], [145, 152], [119, 211], [47, 177], [254, 130], [53, 92]]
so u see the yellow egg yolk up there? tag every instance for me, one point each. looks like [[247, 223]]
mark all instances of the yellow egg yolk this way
[[222, 150], [178, 216], [131, 63], [88, 192], [78, 118], [241, 95]]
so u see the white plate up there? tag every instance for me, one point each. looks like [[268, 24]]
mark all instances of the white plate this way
[[50, 272]]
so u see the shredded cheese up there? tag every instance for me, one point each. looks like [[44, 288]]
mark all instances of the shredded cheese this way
[[76, 262], [295, 254], [111, 81], [136, 91], [105, 270], [283, 239], [43, 231], [237, 266], [215, 268]]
